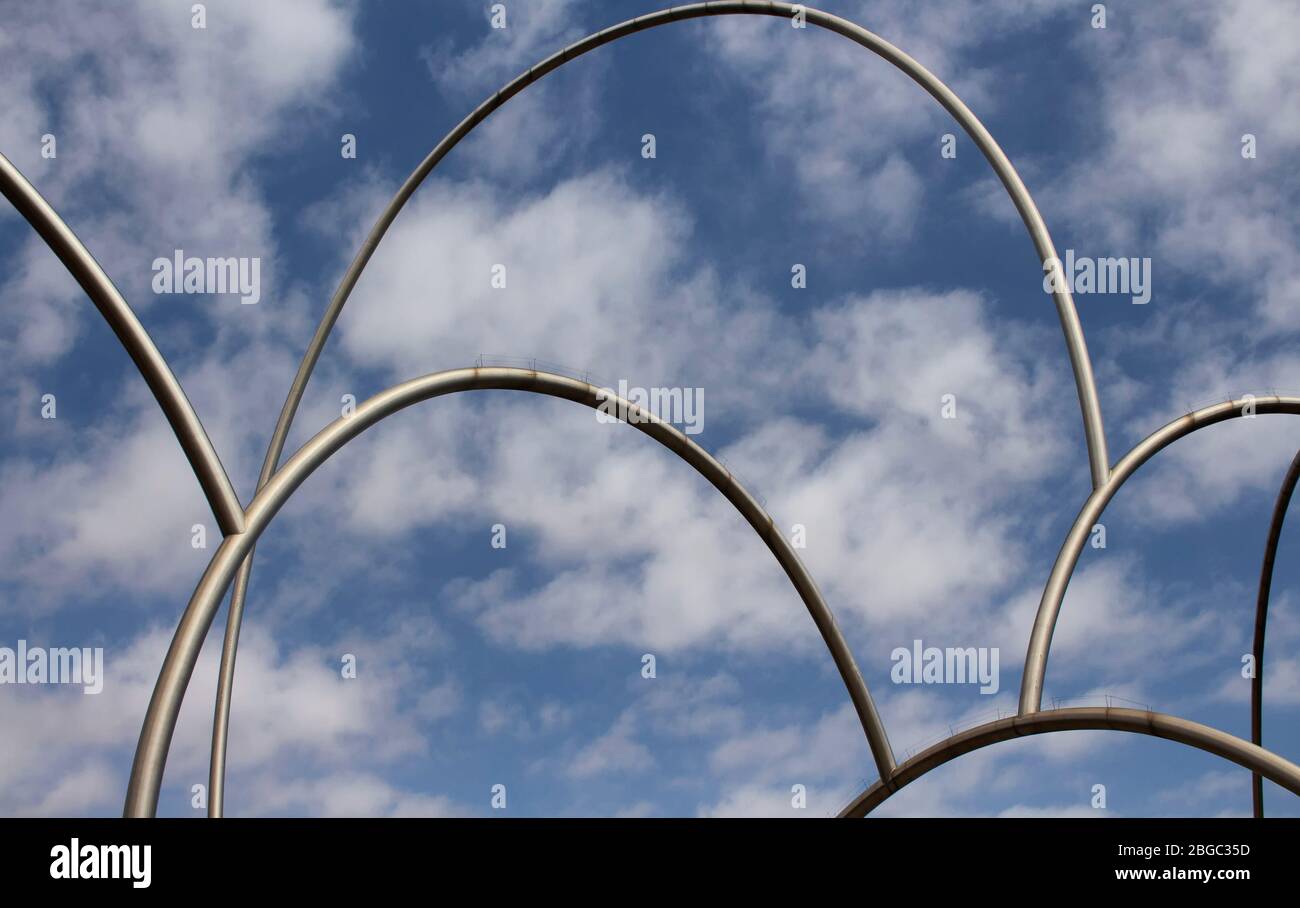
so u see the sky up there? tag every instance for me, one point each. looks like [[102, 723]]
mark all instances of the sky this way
[[523, 666]]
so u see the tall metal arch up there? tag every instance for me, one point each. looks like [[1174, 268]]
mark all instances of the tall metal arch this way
[[1081, 365], [165, 704]]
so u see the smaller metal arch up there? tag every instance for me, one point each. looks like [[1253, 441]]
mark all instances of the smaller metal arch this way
[[1157, 725], [1261, 622], [135, 340], [1049, 607], [178, 666]]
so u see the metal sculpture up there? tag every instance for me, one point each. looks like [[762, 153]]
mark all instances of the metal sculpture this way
[[241, 527]]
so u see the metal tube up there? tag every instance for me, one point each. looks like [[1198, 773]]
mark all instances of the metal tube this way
[[164, 706], [1049, 607], [1158, 725], [225, 689], [1081, 365], [135, 340], [1261, 622]]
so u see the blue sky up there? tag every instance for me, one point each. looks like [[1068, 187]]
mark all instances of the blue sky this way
[[774, 147]]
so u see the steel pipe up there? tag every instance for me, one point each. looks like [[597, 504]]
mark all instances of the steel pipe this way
[[1261, 623], [226, 685], [135, 340], [1158, 725], [1049, 607], [164, 706], [1081, 365]]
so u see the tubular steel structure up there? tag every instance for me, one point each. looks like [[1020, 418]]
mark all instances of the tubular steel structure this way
[[241, 527], [1094, 432]]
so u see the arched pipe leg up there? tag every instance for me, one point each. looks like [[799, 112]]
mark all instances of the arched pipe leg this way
[[1261, 623]]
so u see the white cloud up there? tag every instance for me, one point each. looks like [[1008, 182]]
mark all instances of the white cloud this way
[[1167, 178], [349, 794], [589, 266], [532, 31], [179, 119], [292, 716], [844, 123], [616, 751], [110, 502], [537, 128]]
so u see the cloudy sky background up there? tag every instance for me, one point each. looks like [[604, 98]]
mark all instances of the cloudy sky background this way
[[775, 146]]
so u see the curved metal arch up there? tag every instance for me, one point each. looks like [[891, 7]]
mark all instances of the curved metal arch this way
[[1158, 725], [227, 510], [1261, 622], [1081, 364], [164, 705], [1049, 607]]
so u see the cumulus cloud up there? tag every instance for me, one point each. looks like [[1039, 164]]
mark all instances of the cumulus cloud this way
[[553, 123], [179, 119], [847, 127], [293, 716], [1167, 177]]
